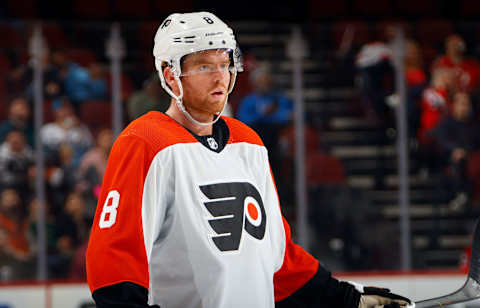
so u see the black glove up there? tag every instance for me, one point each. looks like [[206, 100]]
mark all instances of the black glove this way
[[373, 297], [380, 297]]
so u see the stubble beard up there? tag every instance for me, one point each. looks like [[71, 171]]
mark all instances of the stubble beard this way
[[205, 107]]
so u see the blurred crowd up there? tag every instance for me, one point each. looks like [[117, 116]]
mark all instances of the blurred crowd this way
[[75, 161], [75, 164], [443, 110]]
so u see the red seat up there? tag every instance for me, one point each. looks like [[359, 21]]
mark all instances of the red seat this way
[[5, 64], [125, 8], [469, 8], [11, 37], [382, 25], [92, 8], [84, 57], [423, 7], [473, 172], [147, 61], [287, 140], [167, 7], [127, 86], [3, 86], [434, 31], [48, 115], [146, 32], [23, 9], [359, 31], [429, 54], [54, 35], [3, 107], [96, 113], [324, 169], [318, 9], [372, 7]]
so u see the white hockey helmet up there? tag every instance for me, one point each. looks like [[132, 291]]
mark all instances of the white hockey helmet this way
[[183, 34]]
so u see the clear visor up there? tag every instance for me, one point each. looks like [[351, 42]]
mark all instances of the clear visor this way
[[207, 62]]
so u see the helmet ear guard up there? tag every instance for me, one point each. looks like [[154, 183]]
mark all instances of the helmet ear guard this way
[[183, 34]]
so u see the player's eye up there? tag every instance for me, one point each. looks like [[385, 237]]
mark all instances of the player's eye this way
[[224, 66], [204, 68]]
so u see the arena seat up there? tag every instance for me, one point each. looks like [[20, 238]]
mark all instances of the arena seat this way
[[415, 7], [127, 85], [360, 30], [5, 64], [84, 57], [324, 169], [55, 35], [125, 8], [146, 32], [96, 113], [26, 9], [434, 31], [11, 37], [92, 8], [318, 9], [372, 7], [473, 171], [469, 8]]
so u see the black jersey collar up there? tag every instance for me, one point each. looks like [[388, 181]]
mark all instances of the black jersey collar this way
[[217, 141]]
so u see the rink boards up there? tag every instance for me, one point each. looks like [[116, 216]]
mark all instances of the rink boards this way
[[415, 285]]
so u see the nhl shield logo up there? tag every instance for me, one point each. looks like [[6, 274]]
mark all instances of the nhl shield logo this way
[[212, 143]]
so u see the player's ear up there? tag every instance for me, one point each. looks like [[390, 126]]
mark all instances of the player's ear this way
[[170, 80]]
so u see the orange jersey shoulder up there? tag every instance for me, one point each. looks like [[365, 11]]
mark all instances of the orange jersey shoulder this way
[[240, 132], [158, 130]]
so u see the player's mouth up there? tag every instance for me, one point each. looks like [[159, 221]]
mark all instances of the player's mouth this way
[[218, 93]]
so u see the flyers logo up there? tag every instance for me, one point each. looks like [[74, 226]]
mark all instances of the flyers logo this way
[[234, 206]]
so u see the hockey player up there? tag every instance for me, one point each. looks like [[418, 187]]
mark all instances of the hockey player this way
[[188, 216]]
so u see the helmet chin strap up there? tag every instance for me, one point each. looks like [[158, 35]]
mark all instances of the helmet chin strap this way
[[179, 101]]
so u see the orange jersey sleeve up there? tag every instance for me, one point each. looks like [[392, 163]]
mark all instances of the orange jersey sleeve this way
[[297, 269], [116, 250]]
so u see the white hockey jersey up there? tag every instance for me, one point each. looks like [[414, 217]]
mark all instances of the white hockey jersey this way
[[195, 227]]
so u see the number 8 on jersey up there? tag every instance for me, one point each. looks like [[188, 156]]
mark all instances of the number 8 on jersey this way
[[109, 212]]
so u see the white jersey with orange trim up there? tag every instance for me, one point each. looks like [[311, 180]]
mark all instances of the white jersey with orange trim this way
[[195, 227]]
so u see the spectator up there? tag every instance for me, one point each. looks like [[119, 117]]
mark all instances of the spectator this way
[[414, 71], [68, 130], [150, 97], [434, 107], [266, 110], [73, 222], [435, 103], [14, 245], [16, 158], [285, 177], [32, 217], [375, 77], [457, 137], [96, 158], [416, 83], [78, 268], [21, 78], [62, 179], [466, 70], [72, 231], [92, 168], [18, 119], [80, 84]]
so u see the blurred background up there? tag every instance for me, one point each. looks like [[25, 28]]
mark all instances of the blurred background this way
[[369, 110]]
